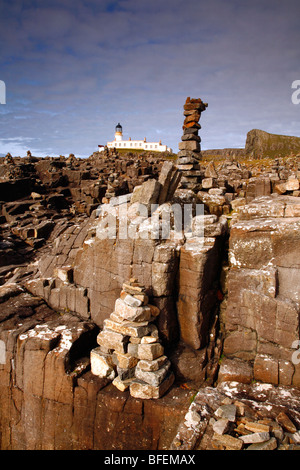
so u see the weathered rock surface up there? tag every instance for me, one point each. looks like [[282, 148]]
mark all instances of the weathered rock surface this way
[[235, 416], [49, 398], [261, 319]]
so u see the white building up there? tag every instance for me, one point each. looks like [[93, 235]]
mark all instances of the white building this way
[[129, 144]]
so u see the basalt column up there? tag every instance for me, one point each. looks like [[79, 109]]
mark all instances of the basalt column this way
[[189, 153]]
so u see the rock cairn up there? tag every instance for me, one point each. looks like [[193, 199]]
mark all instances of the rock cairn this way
[[189, 153], [130, 353], [112, 185], [8, 160]]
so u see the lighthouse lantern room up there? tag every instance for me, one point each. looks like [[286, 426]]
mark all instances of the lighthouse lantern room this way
[[118, 133]]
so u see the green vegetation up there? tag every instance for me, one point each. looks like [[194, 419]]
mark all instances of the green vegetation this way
[[137, 153], [192, 398]]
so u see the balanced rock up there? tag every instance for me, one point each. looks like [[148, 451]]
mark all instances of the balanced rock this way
[[189, 148]]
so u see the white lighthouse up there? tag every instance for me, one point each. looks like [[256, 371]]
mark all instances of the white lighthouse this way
[[118, 133], [129, 144]]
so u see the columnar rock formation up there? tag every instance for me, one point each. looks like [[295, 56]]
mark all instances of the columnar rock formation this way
[[130, 352], [189, 153], [49, 398], [176, 260], [262, 315]]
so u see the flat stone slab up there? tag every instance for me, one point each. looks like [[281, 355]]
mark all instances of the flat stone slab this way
[[226, 411], [127, 312], [150, 351], [227, 441], [140, 389], [271, 444], [135, 329], [255, 437], [154, 378], [112, 340], [221, 426], [150, 366]]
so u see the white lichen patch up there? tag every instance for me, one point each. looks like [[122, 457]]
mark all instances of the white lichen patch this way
[[66, 338], [65, 342], [44, 332], [230, 388], [263, 387], [232, 259], [89, 242], [192, 419], [39, 331]]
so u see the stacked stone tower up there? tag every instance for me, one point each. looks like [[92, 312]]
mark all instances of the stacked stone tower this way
[[130, 352], [189, 153]]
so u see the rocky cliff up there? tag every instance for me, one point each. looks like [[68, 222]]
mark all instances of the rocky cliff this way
[[261, 144], [221, 320]]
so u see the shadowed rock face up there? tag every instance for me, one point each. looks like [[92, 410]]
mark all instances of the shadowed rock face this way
[[50, 399]]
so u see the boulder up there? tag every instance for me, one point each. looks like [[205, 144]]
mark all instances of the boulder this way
[[147, 194]]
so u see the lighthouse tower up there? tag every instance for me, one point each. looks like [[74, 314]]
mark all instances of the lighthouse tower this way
[[118, 133]]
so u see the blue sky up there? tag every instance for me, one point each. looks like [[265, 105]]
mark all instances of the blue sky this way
[[74, 69]]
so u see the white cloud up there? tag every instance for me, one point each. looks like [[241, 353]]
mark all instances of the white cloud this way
[[16, 146]]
